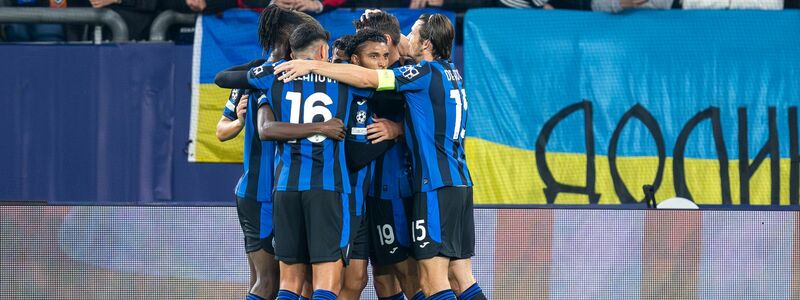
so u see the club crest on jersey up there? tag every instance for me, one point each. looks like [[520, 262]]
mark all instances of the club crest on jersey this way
[[409, 71], [361, 117]]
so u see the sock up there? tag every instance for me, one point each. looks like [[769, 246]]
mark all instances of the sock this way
[[323, 295], [287, 295], [399, 296], [443, 295], [474, 292], [304, 298], [419, 296], [252, 296]]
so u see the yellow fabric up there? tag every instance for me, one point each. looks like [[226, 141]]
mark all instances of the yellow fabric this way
[[385, 80]]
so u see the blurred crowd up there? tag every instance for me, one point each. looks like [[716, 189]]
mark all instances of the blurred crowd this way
[[139, 14]]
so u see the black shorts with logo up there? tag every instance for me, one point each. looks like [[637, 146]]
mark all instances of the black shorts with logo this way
[[443, 223], [256, 220], [311, 226], [390, 239]]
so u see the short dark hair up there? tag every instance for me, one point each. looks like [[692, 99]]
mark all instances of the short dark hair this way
[[276, 24], [383, 22], [437, 29], [343, 42], [305, 35], [363, 36]]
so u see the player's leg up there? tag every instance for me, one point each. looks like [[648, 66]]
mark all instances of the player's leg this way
[[463, 281], [390, 241], [291, 248], [355, 279], [252, 272], [327, 217], [408, 276], [386, 285], [249, 211], [355, 273], [308, 288], [267, 268], [430, 250]]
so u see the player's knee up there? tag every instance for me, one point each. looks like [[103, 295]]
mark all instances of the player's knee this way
[[356, 281]]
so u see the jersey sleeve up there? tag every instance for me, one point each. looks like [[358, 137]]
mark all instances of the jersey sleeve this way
[[412, 77], [230, 105], [261, 77], [261, 98]]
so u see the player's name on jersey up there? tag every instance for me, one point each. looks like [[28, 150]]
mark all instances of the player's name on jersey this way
[[311, 77], [452, 75]]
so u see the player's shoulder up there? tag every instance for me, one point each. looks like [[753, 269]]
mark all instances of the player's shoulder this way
[[413, 71], [265, 69]]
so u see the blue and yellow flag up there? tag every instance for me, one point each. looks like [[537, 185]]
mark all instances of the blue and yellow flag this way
[[587, 108]]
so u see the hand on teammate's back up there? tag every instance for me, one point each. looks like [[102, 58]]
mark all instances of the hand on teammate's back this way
[[292, 69], [383, 130], [241, 109], [333, 128]]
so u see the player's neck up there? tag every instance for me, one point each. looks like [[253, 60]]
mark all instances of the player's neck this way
[[394, 55], [427, 56]]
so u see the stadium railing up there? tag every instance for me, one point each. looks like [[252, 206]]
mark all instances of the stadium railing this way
[[158, 30], [102, 16]]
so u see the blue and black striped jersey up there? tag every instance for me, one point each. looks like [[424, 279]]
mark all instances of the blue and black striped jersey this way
[[316, 162], [256, 180], [389, 177], [436, 118]]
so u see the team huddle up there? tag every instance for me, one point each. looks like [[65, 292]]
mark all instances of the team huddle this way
[[353, 160]]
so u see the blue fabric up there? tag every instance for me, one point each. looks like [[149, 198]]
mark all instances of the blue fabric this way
[[726, 59], [418, 296], [251, 296], [435, 132], [287, 295], [257, 178], [443, 295], [471, 292], [323, 295]]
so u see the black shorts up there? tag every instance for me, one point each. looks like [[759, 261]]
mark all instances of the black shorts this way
[[390, 238], [311, 226], [443, 223], [359, 234], [256, 220]]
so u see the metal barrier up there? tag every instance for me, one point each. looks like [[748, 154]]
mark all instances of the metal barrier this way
[[164, 20], [103, 16]]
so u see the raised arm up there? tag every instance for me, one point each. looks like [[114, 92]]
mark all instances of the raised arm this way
[[350, 74], [269, 129]]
